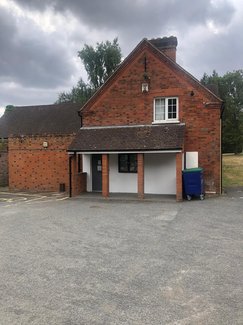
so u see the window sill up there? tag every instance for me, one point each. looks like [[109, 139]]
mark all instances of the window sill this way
[[165, 122]]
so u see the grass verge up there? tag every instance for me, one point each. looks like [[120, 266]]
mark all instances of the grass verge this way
[[232, 170]]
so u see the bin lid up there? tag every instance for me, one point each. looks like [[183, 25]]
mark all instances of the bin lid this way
[[192, 170]]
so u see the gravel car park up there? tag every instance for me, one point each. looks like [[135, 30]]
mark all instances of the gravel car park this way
[[92, 261]]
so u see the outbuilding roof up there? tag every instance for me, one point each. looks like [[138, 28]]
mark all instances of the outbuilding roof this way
[[129, 138], [40, 120]]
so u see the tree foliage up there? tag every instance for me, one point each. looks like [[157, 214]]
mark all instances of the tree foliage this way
[[78, 94], [210, 80], [230, 88], [100, 63], [9, 108]]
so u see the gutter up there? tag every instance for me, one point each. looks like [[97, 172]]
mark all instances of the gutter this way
[[93, 152]]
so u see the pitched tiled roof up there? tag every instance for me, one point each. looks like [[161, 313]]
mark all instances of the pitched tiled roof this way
[[40, 120], [129, 138]]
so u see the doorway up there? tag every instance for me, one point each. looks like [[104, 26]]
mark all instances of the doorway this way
[[96, 173]]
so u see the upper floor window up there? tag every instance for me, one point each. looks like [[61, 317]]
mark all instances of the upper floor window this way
[[165, 109]]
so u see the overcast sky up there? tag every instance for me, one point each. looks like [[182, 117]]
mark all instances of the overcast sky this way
[[39, 40]]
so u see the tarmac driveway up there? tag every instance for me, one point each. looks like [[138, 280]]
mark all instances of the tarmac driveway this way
[[82, 261]]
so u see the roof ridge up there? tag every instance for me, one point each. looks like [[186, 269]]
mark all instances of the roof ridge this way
[[47, 105]]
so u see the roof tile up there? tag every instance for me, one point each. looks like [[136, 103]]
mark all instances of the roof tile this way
[[129, 138], [39, 120]]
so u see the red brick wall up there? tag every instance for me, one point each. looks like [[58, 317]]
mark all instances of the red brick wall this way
[[79, 179], [3, 163], [121, 102], [34, 168], [140, 158], [203, 135], [105, 175]]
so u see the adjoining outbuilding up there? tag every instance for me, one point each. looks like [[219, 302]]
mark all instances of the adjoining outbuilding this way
[[37, 138]]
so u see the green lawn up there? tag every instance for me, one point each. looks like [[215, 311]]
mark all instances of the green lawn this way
[[232, 170]]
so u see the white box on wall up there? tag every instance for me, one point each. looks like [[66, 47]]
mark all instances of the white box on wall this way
[[192, 159]]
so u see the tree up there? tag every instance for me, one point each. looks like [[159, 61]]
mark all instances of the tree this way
[[210, 80], [79, 94], [232, 94], [100, 62], [230, 88], [9, 108]]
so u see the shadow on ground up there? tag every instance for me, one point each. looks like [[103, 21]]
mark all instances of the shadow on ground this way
[[236, 191]]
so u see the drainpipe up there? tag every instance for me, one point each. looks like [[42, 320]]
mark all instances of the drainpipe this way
[[81, 118], [70, 176], [221, 136]]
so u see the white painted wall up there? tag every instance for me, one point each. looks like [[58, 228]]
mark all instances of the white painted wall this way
[[120, 182], [191, 159], [160, 173], [87, 169]]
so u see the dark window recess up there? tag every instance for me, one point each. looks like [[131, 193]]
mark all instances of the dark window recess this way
[[79, 164], [127, 163]]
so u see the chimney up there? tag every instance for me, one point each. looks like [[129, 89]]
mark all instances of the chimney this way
[[167, 45]]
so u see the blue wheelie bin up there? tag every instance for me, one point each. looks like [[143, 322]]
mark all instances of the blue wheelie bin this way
[[193, 183]]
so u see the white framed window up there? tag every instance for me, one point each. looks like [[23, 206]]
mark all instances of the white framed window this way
[[166, 109]]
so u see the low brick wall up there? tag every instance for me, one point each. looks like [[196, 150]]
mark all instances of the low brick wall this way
[[3, 162], [79, 184]]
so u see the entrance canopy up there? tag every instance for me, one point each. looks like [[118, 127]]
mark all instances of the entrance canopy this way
[[166, 137]]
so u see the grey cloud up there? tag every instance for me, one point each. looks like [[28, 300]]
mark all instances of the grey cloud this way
[[220, 52], [133, 15], [35, 60], [133, 20], [30, 57], [221, 13], [21, 95]]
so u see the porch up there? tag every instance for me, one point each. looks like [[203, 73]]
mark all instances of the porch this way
[[152, 175], [138, 160]]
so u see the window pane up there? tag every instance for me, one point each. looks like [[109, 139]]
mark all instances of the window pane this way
[[127, 163], [172, 108], [133, 163], [123, 163], [159, 109]]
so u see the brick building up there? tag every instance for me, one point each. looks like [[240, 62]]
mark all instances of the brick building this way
[[149, 121], [38, 138]]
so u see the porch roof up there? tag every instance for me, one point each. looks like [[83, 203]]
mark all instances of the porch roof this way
[[129, 138]]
